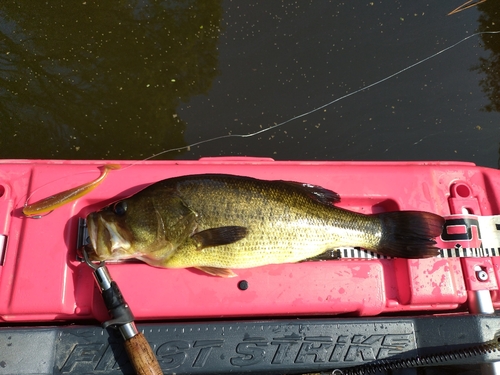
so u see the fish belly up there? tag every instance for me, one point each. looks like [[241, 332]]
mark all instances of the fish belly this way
[[262, 247]]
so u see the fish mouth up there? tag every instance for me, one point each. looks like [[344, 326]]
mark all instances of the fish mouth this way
[[92, 231], [106, 239]]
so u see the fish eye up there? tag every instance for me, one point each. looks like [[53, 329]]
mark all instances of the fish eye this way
[[120, 208]]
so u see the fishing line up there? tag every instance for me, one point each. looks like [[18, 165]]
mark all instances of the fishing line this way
[[421, 139], [188, 147], [427, 136], [305, 114]]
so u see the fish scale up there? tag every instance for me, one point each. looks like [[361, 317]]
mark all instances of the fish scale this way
[[292, 228]]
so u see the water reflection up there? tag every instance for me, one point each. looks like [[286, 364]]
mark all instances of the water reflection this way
[[489, 20], [123, 79], [91, 79]]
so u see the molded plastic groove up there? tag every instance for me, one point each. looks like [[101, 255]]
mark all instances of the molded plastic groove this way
[[3, 245], [5, 212], [462, 199]]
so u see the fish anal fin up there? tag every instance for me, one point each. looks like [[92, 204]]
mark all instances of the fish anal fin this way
[[333, 254], [315, 192], [219, 236], [215, 271]]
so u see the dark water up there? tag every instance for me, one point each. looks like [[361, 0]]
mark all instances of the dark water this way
[[127, 79]]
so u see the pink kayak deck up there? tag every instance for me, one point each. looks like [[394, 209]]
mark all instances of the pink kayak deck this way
[[41, 280]]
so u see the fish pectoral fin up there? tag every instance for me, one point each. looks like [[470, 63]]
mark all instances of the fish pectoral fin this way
[[219, 236], [214, 271]]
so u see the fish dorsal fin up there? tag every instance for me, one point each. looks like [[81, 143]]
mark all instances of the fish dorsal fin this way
[[219, 236], [318, 193]]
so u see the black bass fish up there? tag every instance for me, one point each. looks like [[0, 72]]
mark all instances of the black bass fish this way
[[217, 222]]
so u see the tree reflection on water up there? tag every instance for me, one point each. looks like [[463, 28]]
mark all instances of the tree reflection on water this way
[[490, 66], [91, 79]]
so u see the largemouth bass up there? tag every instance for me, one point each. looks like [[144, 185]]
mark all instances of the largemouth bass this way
[[221, 222]]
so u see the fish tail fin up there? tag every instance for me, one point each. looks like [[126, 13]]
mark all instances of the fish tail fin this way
[[409, 234]]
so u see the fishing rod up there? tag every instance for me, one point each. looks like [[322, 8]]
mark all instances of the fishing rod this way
[[439, 358], [137, 347]]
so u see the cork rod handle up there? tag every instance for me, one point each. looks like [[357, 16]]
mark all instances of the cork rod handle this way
[[142, 357]]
